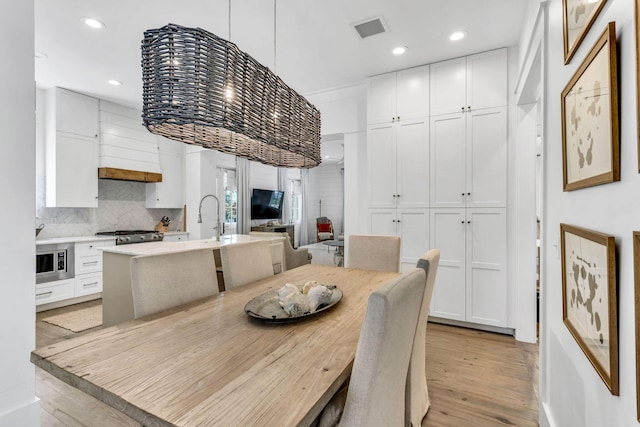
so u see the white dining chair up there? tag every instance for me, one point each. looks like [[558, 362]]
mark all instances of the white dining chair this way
[[373, 252], [417, 393], [376, 392], [246, 262], [159, 282]]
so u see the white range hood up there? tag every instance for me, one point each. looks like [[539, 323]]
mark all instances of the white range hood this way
[[127, 150]]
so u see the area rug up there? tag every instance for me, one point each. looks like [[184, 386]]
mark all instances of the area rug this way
[[78, 320]]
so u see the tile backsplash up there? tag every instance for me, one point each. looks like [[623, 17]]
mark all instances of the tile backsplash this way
[[121, 206]]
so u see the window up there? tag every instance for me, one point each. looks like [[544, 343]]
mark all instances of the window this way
[[230, 196], [295, 187]]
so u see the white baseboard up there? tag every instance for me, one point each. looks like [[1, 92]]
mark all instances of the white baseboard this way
[[25, 416]]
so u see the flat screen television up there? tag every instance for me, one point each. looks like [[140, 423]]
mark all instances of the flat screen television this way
[[266, 204]]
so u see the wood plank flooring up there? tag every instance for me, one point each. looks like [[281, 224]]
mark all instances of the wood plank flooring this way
[[475, 379]]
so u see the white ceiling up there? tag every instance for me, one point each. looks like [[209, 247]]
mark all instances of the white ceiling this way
[[317, 46]]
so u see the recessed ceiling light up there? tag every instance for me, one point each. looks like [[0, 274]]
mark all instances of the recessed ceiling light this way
[[93, 23], [115, 82], [40, 55], [458, 35], [400, 50]]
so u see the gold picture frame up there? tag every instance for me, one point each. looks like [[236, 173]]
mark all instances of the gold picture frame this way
[[577, 18], [589, 104], [589, 297]]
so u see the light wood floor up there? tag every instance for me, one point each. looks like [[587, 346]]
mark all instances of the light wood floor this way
[[475, 379]]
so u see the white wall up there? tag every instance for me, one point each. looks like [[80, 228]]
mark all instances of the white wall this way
[[571, 391], [18, 405]]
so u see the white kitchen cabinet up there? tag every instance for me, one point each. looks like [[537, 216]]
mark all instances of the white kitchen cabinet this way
[[88, 266], [71, 150], [54, 291], [398, 96], [170, 192], [398, 164], [468, 154], [411, 225], [176, 237], [471, 284], [469, 83]]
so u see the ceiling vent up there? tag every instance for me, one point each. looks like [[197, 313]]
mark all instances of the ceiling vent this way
[[370, 27]]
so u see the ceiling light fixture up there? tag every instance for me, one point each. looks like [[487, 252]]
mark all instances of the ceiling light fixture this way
[[201, 89], [458, 35], [400, 50], [115, 82], [93, 23]]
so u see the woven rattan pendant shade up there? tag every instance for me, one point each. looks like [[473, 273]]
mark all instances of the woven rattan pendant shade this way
[[201, 89]]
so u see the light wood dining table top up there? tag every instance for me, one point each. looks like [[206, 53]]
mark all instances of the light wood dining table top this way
[[209, 363]]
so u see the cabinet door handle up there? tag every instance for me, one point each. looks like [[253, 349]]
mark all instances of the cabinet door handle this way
[[398, 221], [393, 195], [44, 294], [90, 263], [463, 109], [462, 194], [398, 118], [469, 107], [468, 222], [461, 222], [468, 194], [397, 195], [86, 285]]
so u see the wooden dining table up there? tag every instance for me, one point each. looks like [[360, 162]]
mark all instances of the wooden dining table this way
[[208, 363]]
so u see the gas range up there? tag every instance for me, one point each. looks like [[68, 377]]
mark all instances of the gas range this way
[[126, 237]]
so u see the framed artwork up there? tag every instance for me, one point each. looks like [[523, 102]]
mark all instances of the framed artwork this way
[[589, 104], [577, 18], [589, 305]]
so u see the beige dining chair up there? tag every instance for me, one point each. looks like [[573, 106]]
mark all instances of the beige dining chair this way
[[243, 263], [373, 252], [159, 282], [375, 395], [417, 393], [293, 258]]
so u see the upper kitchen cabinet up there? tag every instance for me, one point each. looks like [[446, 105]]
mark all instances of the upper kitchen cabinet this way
[[469, 83], [170, 192], [71, 151], [398, 96]]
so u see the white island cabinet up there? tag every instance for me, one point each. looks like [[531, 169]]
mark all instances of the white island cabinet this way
[[71, 149]]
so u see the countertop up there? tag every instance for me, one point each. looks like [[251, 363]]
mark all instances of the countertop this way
[[74, 239], [155, 248]]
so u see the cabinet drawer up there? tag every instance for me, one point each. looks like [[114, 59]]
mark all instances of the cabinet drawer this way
[[54, 291], [88, 264], [87, 284]]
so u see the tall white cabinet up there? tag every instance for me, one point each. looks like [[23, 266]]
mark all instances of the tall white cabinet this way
[[398, 159], [437, 167]]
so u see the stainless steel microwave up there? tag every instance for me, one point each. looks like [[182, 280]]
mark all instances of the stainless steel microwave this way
[[54, 262]]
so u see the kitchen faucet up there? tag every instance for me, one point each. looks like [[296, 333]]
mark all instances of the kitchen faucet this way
[[217, 227]]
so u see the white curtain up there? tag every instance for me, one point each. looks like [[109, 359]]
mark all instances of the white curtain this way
[[244, 195], [304, 214], [283, 185]]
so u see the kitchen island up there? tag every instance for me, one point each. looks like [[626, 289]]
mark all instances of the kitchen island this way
[[117, 301]]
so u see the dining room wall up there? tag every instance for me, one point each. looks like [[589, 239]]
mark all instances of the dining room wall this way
[[571, 391], [18, 403]]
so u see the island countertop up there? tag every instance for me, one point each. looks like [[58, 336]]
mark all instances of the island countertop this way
[[155, 248]]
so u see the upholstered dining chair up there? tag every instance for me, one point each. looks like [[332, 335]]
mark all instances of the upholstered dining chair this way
[[417, 394], [373, 252], [376, 392], [159, 282], [243, 263]]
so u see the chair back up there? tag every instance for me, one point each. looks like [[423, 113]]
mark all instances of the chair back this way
[[159, 282], [376, 394], [372, 252], [246, 262], [417, 393]]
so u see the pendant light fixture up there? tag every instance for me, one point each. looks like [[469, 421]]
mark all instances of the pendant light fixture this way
[[201, 89]]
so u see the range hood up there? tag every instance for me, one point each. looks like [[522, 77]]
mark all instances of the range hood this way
[[128, 175]]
